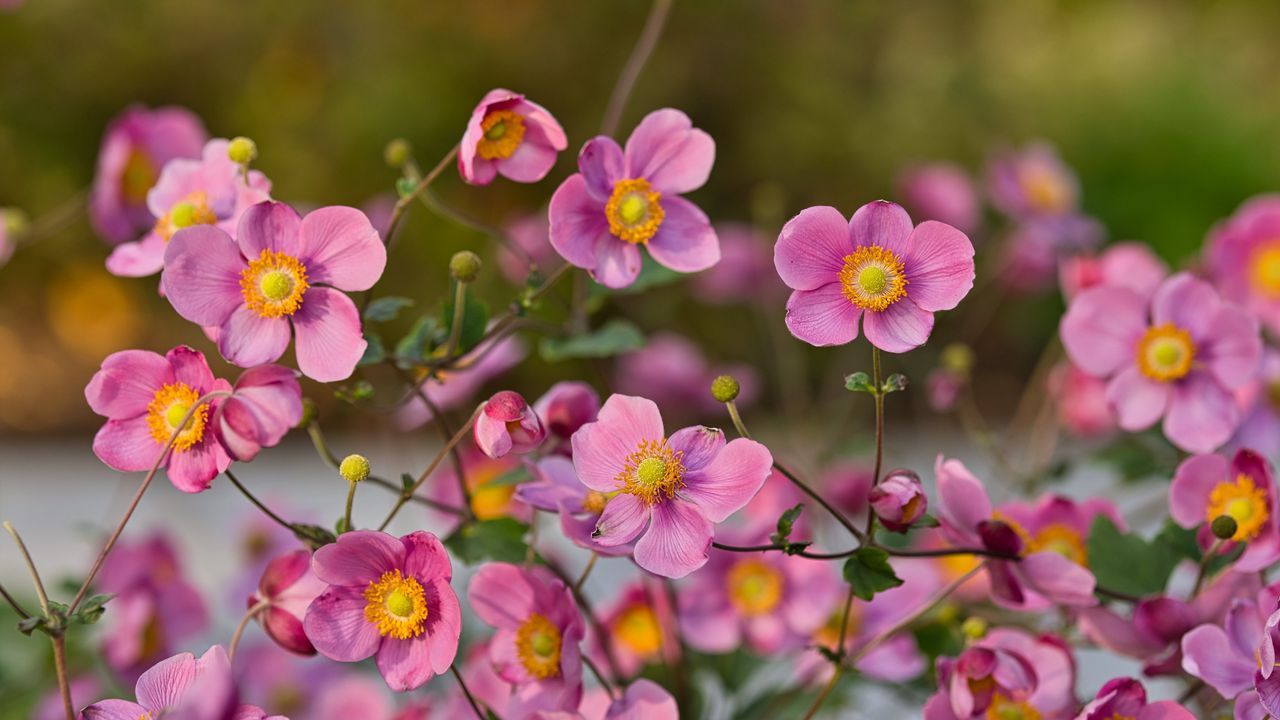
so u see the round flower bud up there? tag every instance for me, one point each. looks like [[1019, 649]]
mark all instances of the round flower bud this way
[[725, 388], [958, 358], [1224, 527], [396, 153], [242, 151], [974, 628], [354, 468], [464, 266]]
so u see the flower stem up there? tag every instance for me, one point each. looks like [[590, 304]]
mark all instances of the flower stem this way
[[732, 407], [635, 63], [467, 691], [937, 600], [256, 502], [879, 400], [403, 203], [244, 622], [586, 572], [1202, 571], [351, 499], [448, 449], [839, 659], [59, 643], [613, 694], [433, 201], [22, 613], [459, 312], [60, 667]]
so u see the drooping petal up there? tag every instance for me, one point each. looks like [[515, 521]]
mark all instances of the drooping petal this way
[[899, 328], [357, 558], [329, 340], [127, 382], [138, 259], [1102, 327], [823, 317], [336, 626], [340, 247], [113, 710], [939, 266], [623, 519], [202, 270], [1138, 401], [1202, 415], [248, 339], [677, 541], [963, 501], [192, 470], [685, 241], [530, 162], [1058, 579], [669, 152], [811, 248], [730, 480]]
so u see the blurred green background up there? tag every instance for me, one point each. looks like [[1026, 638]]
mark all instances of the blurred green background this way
[[1165, 109]]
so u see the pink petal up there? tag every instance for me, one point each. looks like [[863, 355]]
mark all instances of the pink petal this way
[[1234, 352], [340, 247], [939, 266], [443, 632], [1138, 401], [127, 383], [901, 327], [677, 541], [1188, 303], [811, 248], [491, 436], [358, 558], [287, 631], [1244, 626], [529, 163], [624, 518], [617, 263], [127, 445], [685, 241], [962, 500], [1102, 327], [731, 480], [1201, 414], [884, 224], [163, 685], [600, 448], [1058, 579], [190, 367], [644, 700], [1193, 482], [271, 226], [336, 626], [1207, 654], [669, 152], [202, 274], [425, 557], [699, 445], [138, 259], [248, 339], [405, 664], [822, 317], [502, 596], [602, 165], [111, 710], [193, 470], [329, 342], [577, 223]]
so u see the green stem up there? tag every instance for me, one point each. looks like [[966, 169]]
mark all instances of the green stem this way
[[1202, 572], [459, 312], [240, 628], [613, 694], [467, 691], [732, 407], [435, 462], [839, 651], [403, 203], [586, 572], [635, 63], [879, 400], [256, 502], [351, 499]]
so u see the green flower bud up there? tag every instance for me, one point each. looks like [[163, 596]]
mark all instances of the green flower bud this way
[[464, 266], [1224, 527], [974, 628], [725, 388], [396, 153], [242, 151], [354, 468]]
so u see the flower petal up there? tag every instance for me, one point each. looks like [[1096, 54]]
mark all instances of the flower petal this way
[[340, 247], [601, 164], [425, 557], [901, 327], [1192, 484], [127, 445], [1202, 415], [1058, 579], [617, 263], [163, 684], [938, 266], [600, 448], [677, 541], [881, 223], [405, 664], [248, 339], [730, 480], [624, 518], [962, 500], [138, 259], [529, 163], [823, 317], [685, 242], [1207, 654], [811, 248], [202, 268], [358, 558], [329, 340], [336, 626], [127, 383], [669, 152], [699, 445], [1137, 400], [1189, 303], [1101, 329], [1234, 352], [271, 226], [577, 222]]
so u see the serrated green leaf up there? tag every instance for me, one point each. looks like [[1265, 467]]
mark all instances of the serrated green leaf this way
[[420, 340], [501, 540], [1127, 563], [614, 337], [475, 318], [385, 309], [868, 571], [375, 352]]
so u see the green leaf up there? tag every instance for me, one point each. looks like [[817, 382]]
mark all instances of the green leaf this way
[[313, 536], [614, 337], [869, 572], [514, 476], [894, 383], [1127, 563], [92, 608], [420, 340], [501, 540], [926, 521], [385, 309], [340, 526], [405, 187], [407, 481], [375, 352], [31, 624], [475, 318], [859, 382], [786, 522]]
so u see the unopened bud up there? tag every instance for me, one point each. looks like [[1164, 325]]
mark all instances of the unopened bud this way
[[396, 153], [1224, 527], [958, 358], [725, 388], [242, 151], [464, 266], [354, 468], [974, 628]]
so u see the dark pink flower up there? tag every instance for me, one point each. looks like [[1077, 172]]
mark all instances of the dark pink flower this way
[[506, 424], [1127, 264], [1032, 183], [943, 192], [265, 403], [898, 500], [509, 136], [1226, 656], [287, 588], [621, 200], [1243, 255], [1125, 697], [1009, 673], [564, 408], [1244, 489], [641, 625]]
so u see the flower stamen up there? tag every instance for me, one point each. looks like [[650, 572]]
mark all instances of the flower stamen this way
[[873, 278], [397, 605], [755, 588], [634, 211], [503, 132], [191, 210], [273, 284], [168, 407], [653, 473], [1165, 353], [1244, 502], [538, 647]]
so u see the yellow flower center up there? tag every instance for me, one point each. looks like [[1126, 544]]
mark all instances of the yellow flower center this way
[[1264, 269], [397, 605], [1046, 192], [594, 502], [654, 472], [137, 178], [489, 500], [633, 211], [538, 647], [503, 131], [165, 413], [1006, 708], [637, 628], [755, 588], [273, 284], [1165, 353], [1063, 540], [191, 210], [872, 278], [1244, 501]]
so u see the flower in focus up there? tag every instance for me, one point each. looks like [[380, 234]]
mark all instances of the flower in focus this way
[[898, 500], [265, 403], [282, 275], [745, 271], [555, 488], [181, 687], [145, 398], [539, 628], [1032, 183], [1206, 487], [509, 136], [565, 407], [672, 371], [286, 590], [208, 191], [875, 268], [1081, 401], [1127, 264], [1126, 698], [667, 492], [387, 598], [1242, 254], [137, 144], [641, 628], [506, 424], [1009, 673], [943, 192], [620, 200], [1178, 356], [451, 388]]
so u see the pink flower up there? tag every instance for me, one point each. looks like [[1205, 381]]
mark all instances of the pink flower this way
[[846, 484], [294, 685], [672, 371], [565, 407], [1127, 264], [622, 200], [390, 598], [1260, 402], [136, 145], [282, 274], [1040, 576], [669, 491], [509, 136], [943, 192], [1266, 681], [745, 271], [1008, 673], [82, 687], [145, 397], [208, 191], [876, 268], [482, 679], [349, 697], [265, 403], [1033, 182], [1125, 697], [287, 588], [508, 425], [555, 488], [642, 700], [538, 633], [1034, 249], [1177, 356], [1226, 655], [183, 688], [1081, 400], [454, 388], [943, 386], [532, 235], [641, 625], [1244, 489], [492, 496], [1243, 256], [898, 500]]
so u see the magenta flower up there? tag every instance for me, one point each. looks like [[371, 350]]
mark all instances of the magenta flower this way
[[565, 407], [1178, 356], [1032, 183], [509, 136], [875, 267], [1007, 674], [507, 424], [136, 145], [539, 629], [943, 192], [745, 271], [390, 598], [145, 397], [208, 191], [1244, 489], [1081, 401], [555, 488], [642, 700], [620, 200], [898, 500], [1243, 256], [667, 492], [265, 403], [1045, 571], [181, 687], [1227, 655], [287, 588], [282, 274], [1127, 264], [672, 371], [1126, 698], [641, 627]]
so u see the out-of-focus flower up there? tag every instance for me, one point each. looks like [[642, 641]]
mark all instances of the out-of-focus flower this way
[[672, 371], [483, 681], [1127, 264], [1206, 487], [352, 696], [620, 200], [137, 144], [83, 687], [12, 223], [876, 268], [1032, 183], [642, 700], [265, 403], [1035, 248], [488, 482], [565, 407], [1226, 655], [292, 685], [555, 488], [450, 389], [898, 500], [1008, 673], [1081, 401], [669, 491], [287, 588], [745, 271], [1242, 254], [181, 687], [1260, 403], [282, 275], [390, 598], [509, 136], [539, 629], [641, 624], [1058, 524], [846, 484], [1178, 356], [532, 235], [1125, 697], [943, 192], [145, 397], [507, 424], [209, 191]]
